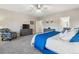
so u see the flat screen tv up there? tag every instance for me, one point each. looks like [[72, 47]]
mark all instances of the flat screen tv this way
[[25, 26]]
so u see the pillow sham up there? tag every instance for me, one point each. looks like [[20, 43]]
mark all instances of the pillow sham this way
[[67, 35]]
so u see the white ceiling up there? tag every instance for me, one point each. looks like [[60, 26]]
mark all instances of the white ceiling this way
[[47, 9]]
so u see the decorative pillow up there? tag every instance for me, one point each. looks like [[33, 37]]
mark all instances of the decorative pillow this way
[[67, 35]]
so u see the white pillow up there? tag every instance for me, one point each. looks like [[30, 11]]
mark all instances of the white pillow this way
[[67, 36]]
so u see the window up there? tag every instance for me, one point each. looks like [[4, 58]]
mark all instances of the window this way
[[65, 22]]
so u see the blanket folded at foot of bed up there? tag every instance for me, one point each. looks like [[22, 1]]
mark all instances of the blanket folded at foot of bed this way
[[40, 41]]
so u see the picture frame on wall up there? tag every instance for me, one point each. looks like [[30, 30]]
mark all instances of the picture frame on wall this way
[[31, 22]]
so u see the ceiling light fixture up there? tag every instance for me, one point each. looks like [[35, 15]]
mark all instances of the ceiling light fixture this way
[[38, 6]]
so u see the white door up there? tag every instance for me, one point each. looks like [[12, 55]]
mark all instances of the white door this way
[[39, 26]]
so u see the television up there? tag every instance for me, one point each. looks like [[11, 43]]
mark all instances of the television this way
[[25, 26]]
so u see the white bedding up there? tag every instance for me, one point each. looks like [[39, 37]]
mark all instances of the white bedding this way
[[60, 43], [60, 46]]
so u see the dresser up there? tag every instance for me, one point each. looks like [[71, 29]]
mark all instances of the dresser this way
[[24, 32], [48, 30]]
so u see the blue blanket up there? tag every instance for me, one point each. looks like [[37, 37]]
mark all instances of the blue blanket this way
[[40, 41], [75, 38]]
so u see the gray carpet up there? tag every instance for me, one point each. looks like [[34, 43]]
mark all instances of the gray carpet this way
[[19, 46]]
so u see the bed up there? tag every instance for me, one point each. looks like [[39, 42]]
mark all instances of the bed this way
[[39, 41], [56, 42]]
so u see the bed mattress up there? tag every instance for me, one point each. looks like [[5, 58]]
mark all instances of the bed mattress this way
[[62, 47]]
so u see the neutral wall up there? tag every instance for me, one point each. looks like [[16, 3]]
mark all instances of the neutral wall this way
[[74, 19], [53, 25], [13, 20]]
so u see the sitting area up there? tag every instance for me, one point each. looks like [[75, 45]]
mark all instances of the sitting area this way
[[7, 34]]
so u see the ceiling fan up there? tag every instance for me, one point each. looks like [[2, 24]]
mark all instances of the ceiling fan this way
[[38, 6]]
